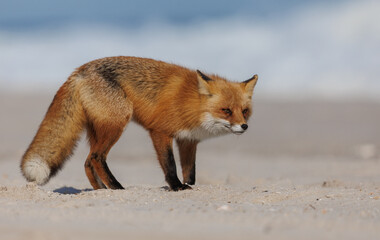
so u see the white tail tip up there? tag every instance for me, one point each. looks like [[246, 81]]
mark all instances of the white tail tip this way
[[36, 170]]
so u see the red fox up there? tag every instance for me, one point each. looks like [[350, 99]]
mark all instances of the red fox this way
[[170, 101]]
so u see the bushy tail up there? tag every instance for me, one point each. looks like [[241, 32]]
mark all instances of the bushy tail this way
[[56, 137]]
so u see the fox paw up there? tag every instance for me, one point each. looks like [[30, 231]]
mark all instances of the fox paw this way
[[181, 187], [189, 182]]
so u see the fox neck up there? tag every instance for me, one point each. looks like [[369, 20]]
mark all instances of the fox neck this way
[[209, 127]]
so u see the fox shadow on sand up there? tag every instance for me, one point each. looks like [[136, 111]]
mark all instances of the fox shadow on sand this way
[[71, 190]]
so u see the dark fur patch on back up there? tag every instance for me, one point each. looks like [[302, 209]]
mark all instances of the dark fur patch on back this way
[[110, 73]]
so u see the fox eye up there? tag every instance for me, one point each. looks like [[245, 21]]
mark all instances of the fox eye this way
[[227, 111], [245, 111]]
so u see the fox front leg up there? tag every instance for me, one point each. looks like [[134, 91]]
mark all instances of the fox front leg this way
[[163, 145], [187, 151]]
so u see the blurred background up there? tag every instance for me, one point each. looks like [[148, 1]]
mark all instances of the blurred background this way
[[299, 48], [314, 133], [317, 61]]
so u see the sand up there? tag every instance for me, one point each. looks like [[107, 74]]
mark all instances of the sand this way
[[304, 170]]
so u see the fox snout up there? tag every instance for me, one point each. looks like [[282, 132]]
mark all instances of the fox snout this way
[[239, 129]]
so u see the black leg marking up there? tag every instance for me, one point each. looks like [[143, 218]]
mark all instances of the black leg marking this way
[[89, 166], [111, 180], [171, 175]]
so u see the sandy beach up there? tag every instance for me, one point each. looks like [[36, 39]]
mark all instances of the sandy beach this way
[[305, 169]]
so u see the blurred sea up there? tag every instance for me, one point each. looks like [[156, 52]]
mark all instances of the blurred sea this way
[[299, 49]]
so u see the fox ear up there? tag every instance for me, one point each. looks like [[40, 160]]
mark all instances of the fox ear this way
[[203, 85], [249, 85]]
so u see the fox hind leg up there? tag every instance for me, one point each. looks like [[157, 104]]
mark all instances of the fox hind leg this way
[[107, 112], [94, 179], [97, 171]]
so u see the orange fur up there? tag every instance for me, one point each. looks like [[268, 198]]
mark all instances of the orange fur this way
[[168, 100]]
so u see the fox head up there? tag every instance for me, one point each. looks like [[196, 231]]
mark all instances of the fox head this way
[[227, 105]]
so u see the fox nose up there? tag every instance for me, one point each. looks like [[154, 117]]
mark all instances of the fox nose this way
[[244, 126]]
